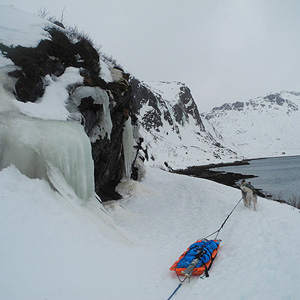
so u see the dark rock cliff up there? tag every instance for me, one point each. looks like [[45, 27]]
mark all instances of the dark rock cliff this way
[[142, 96], [186, 108], [158, 109]]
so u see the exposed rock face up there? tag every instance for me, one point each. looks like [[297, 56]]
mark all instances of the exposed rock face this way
[[108, 153], [173, 129], [178, 113], [142, 96], [186, 108], [103, 106], [49, 57]]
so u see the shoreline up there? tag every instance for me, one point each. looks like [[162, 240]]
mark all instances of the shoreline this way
[[231, 179], [226, 178]]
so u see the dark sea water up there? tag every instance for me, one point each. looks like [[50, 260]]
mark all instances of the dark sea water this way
[[278, 176]]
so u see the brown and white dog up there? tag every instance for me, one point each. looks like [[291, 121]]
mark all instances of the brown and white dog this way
[[249, 196]]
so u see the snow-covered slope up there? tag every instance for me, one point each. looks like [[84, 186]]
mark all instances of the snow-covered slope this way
[[261, 127], [57, 249], [173, 129]]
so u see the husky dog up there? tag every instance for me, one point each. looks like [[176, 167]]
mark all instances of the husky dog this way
[[249, 196]]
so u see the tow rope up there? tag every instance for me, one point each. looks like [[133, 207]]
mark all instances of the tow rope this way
[[217, 232], [179, 286]]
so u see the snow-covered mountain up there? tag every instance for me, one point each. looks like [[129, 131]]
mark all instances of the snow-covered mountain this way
[[174, 132], [261, 127]]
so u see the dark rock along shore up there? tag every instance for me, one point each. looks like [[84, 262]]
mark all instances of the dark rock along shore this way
[[226, 178]]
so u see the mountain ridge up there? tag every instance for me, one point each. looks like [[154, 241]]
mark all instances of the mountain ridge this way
[[172, 127], [261, 127]]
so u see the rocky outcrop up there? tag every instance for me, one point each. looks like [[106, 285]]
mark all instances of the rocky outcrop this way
[[49, 57], [186, 108], [108, 153], [103, 106], [143, 97], [160, 110]]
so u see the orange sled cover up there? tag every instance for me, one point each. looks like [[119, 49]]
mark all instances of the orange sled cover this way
[[196, 271]]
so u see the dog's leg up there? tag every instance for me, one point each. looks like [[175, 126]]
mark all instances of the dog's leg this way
[[254, 202], [246, 202], [244, 198]]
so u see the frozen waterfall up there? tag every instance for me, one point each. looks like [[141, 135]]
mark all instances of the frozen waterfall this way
[[128, 142], [58, 151]]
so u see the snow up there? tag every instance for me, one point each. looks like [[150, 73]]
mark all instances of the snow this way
[[52, 106], [58, 242], [19, 28], [261, 128], [58, 249], [105, 72], [168, 90]]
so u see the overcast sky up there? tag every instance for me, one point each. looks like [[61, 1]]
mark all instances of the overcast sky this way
[[223, 50]]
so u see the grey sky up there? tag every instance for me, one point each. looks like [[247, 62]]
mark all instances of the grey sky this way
[[224, 50]]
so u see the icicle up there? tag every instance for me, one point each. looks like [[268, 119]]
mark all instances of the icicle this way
[[57, 151], [128, 142], [100, 97]]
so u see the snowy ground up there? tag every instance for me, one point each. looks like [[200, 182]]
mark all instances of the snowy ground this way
[[54, 248]]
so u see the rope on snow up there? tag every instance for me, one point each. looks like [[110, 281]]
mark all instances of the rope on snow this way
[[217, 231]]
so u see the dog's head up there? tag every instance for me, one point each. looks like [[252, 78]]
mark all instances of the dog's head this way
[[245, 189]]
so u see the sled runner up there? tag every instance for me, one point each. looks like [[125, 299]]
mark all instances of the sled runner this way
[[197, 258]]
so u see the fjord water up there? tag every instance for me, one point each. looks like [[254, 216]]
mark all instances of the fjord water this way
[[278, 176]]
